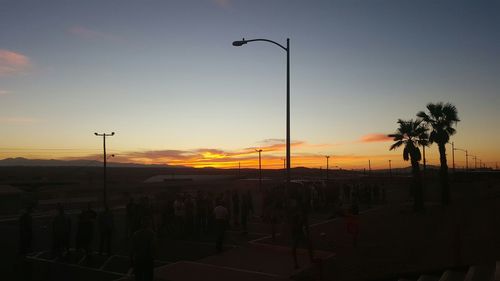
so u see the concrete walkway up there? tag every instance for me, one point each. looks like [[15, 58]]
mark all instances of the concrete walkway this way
[[249, 262]]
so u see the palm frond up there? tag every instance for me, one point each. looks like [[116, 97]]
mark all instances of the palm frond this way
[[396, 145], [406, 154]]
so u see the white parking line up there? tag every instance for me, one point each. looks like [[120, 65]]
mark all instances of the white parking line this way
[[236, 269], [77, 266]]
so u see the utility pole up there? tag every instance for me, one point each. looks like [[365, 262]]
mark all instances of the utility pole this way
[[369, 167], [390, 169], [327, 158], [239, 169], [466, 157], [284, 167], [453, 155], [466, 161], [104, 194], [425, 161], [260, 168], [475, 161]]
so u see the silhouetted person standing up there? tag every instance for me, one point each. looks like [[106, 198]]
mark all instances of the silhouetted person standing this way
[[106, 227], [246, 209], [352, 224], [221, 221], [61, 227], [25, 232], [299, 223], [131, 210], [143, 251], [236, 207], [86, 229], [180, 214]]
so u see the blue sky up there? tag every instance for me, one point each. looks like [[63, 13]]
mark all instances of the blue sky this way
[[164, 76]]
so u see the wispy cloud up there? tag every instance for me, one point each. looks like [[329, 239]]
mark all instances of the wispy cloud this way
[[205, 157], [19, 120], [86, 33], [4, 93], [13, 63], [375, 137]]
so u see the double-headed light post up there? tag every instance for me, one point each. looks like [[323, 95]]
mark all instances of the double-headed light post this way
[[287, 50], [104, 135]]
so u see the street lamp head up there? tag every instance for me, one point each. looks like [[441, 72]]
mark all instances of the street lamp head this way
[[112, 133], [96, 134], [239, 43]]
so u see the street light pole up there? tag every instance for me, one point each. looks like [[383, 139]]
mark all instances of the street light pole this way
[[287, 49], [425, 160], [284, 167], [260, 169], [466, 157], [453, 155], [288, 177], [390, 169], [327, 176], [466, 160], [104, 194]]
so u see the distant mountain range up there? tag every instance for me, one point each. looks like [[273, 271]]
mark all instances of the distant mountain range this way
[[25, 162], [20, 161]]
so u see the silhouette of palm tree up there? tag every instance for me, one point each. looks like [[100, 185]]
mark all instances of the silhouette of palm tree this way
[[410, 134], [441, 118]]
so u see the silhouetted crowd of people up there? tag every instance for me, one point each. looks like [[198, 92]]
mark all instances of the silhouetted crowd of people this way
[[190, 215], [201, 214]]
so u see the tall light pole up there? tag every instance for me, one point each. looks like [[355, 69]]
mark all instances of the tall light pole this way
[[327, 158], [475, 161], [390, 169], [466, 158], [453, 155], [284, 166], [287, 49], [369, 167], [260, 169], [104, 194], [425, 160]]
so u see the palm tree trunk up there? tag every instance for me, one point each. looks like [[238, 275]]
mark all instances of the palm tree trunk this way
[[418, 203], [443, 174]]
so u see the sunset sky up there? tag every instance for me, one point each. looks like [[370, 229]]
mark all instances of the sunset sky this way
[[164, 76]]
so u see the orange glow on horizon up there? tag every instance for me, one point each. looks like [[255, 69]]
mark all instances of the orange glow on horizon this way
[[247, 158]]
